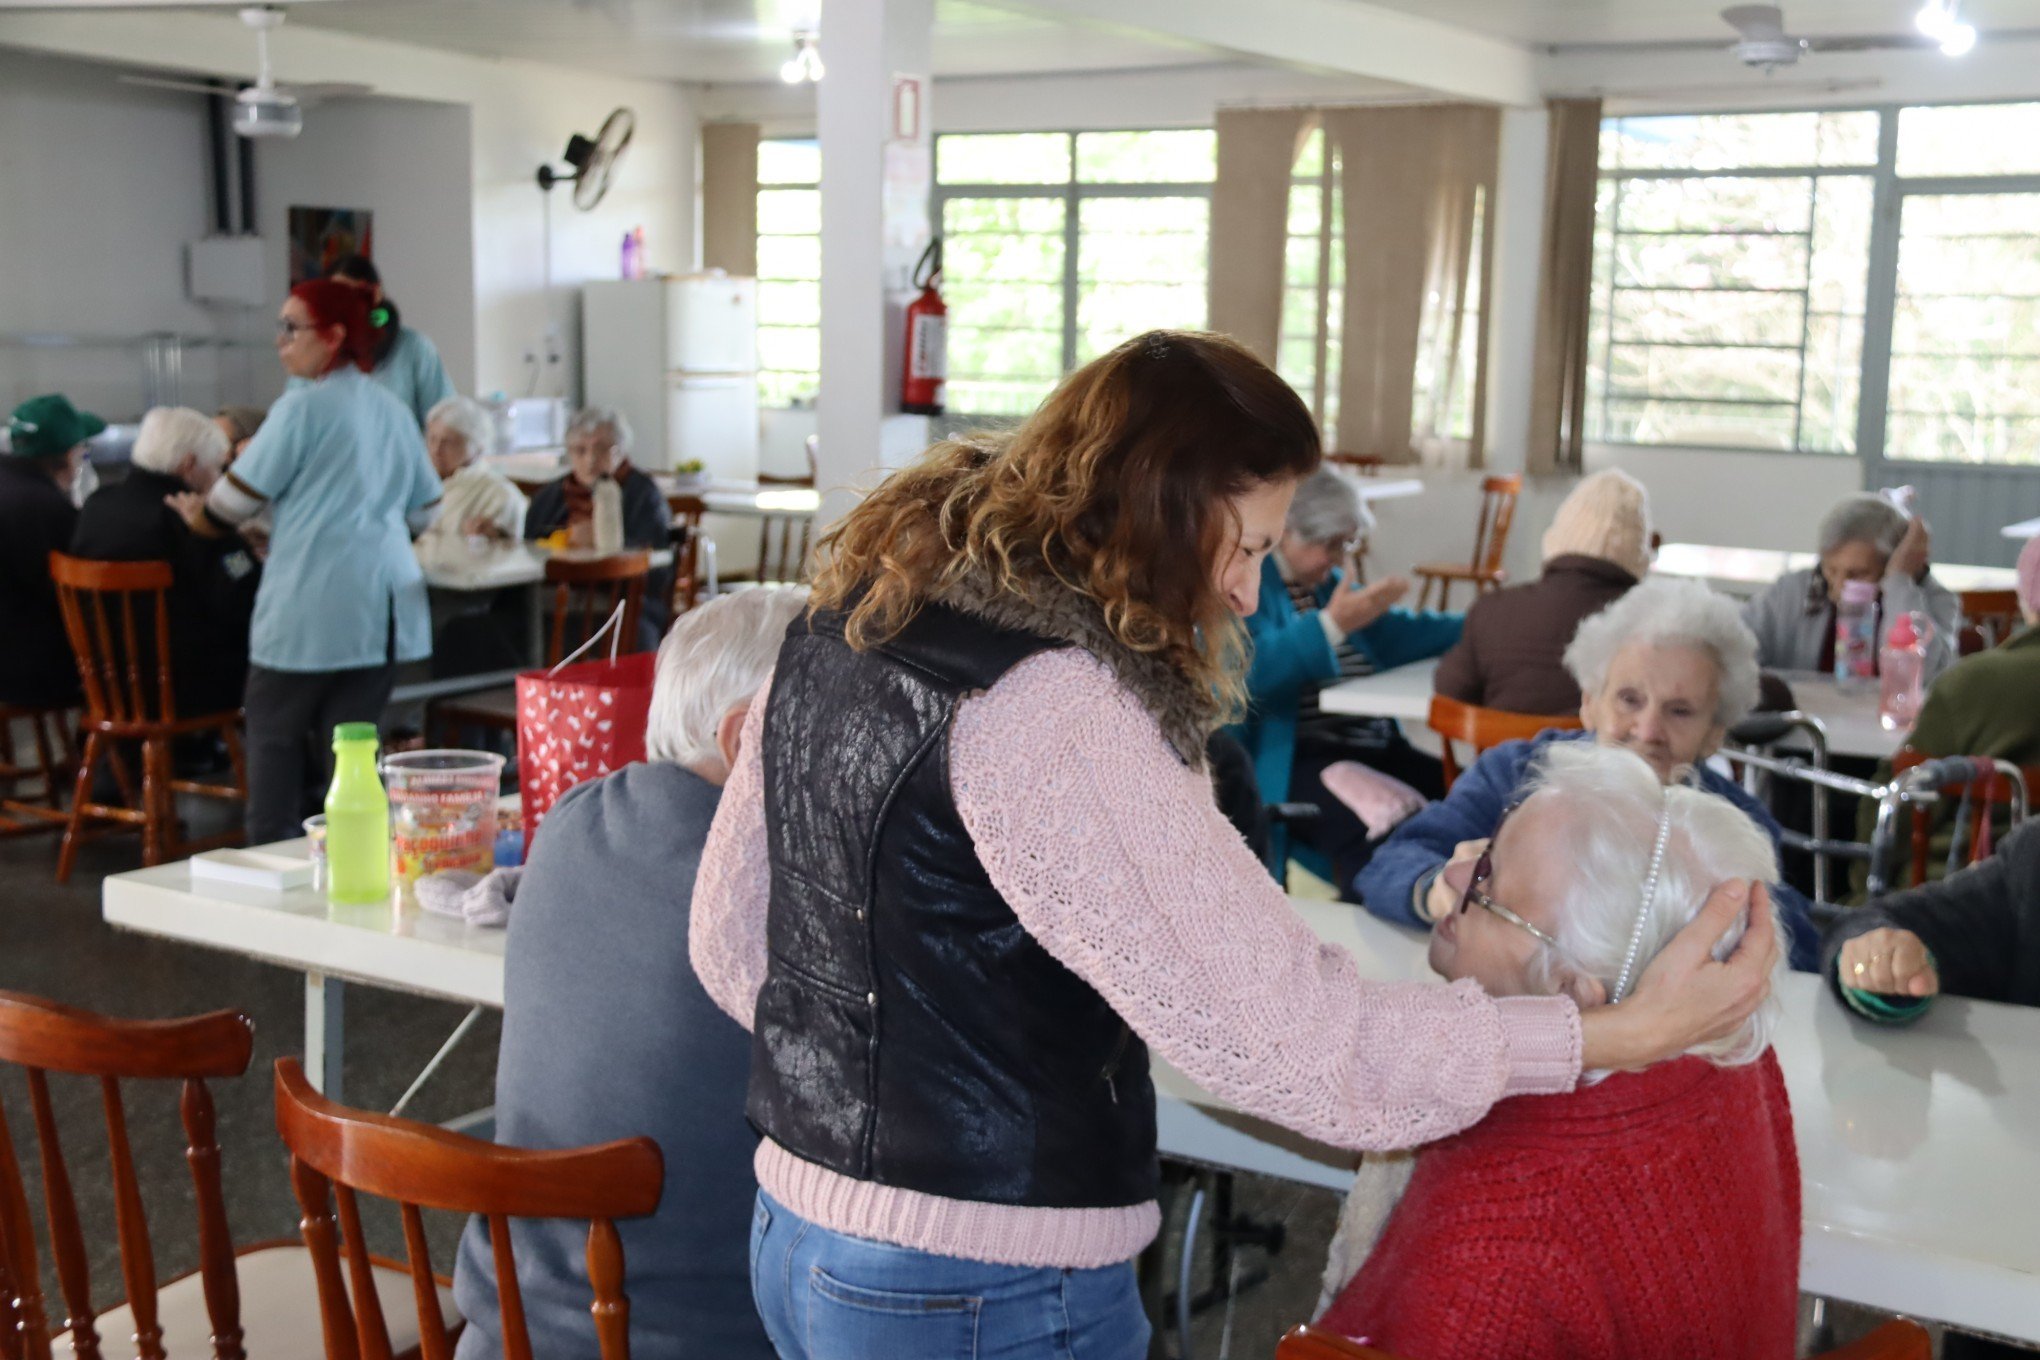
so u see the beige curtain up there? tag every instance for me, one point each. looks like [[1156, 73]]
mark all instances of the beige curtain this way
[[1418, 187], [1558, 395], [729, 197], [1250, 222]]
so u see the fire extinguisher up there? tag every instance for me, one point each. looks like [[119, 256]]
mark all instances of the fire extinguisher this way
[[927, 357]]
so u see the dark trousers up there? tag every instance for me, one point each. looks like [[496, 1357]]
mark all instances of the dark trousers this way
[[291, 716], [1338, 834]]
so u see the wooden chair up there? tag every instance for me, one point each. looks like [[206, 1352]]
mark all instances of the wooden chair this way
[[1485, 728], [690, 570], [56, 757], [1498, 497], [1974, 829], [336, 1151], [586, 591], [1360, 464], [1895, 1340], [258, 1300], [117, 616], [1988, 617]]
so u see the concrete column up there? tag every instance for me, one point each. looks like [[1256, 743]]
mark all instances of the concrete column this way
[[875, 196], [1518, 224]]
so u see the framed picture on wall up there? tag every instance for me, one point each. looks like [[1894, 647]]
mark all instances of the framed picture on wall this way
[[320, 236]]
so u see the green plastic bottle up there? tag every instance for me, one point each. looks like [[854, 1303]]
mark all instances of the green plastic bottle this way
[[357, 820]]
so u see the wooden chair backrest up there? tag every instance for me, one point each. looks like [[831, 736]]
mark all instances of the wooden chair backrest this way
[[1988, 618], [590, 588], [42, 1037], [117, 617], [1315, 1343], [1485, 728], [1498, 496], [336, 1152], [1365, 464], [1985, 794], [688, 581]]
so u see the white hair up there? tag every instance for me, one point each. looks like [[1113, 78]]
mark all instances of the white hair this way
[[1672, 613], [715, 658], [1862, 518], [1326, 509], [470, 420], [168, 433], [1613, 800], [589, 419]]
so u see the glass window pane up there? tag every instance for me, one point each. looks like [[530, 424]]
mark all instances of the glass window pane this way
[[1003, 158], [787, 212], [1969, 139], [1722, 141], [1188, 156], [789, 161], [787, 389], [1141, 263], [789, 304], [1003, 267], [1725, 203], [789, 257], [1653, 314], [1310, 161], [1703, 425], [1710, 262], [789, 347], [1702, 372]]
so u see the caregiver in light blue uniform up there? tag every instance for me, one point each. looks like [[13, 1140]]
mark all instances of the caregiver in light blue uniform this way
[[342, 601], [406, 360]]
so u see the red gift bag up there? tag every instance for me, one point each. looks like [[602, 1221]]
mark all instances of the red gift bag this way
[[578, 721]]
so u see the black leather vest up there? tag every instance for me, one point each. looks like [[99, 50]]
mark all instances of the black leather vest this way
[[909, 1031]]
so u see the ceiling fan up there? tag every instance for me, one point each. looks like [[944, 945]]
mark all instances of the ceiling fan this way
[[1763, 43], [264, 109]]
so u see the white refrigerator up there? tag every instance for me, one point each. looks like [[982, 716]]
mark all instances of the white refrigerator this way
[[679, 357]]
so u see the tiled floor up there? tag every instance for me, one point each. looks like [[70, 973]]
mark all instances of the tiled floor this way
[[53, 944]]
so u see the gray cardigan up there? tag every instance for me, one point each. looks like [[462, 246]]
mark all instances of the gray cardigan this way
[[1791, 618], [607, 1033]]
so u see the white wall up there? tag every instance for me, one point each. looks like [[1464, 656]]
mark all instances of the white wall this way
[[520, 113], [408, 162], [103, 185]]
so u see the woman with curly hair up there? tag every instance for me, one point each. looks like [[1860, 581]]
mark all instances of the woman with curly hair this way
[[968, 868]]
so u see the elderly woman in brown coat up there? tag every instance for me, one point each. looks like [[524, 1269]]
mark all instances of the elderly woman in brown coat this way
[[1512, 654]]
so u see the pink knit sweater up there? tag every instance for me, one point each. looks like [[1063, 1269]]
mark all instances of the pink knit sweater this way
[[1113, 856]]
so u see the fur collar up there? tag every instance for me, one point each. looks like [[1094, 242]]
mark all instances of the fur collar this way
[[1187, 715]]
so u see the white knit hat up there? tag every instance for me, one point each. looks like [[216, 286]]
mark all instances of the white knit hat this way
[[1606, 516]]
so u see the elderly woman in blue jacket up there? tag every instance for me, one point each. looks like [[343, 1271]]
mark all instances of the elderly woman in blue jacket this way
[[1316, 625], [1665, 671]]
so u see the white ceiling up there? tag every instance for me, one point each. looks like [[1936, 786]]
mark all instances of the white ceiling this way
[[721, 40], [1567, 22]]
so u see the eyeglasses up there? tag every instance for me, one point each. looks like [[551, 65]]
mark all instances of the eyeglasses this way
[[288, 330], [1483, 871]]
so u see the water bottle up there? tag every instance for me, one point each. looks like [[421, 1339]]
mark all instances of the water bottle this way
[[1856, 634], [357, 820], [1902, 667], [629, 269], [608, 498]]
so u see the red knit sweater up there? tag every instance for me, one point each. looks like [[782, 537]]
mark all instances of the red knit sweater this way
[[1654, 1215]]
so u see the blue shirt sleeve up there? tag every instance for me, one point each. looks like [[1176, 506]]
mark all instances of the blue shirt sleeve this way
[[275, 455], [1287, 657], [428, 374], [1424, 842], [1403, 635]]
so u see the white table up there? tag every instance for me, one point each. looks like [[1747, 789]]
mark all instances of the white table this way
[[2025, 528], [503, 568], [1386, 488], [1919, 1148], [1850, 716], [1746, 571], [1404, 693]]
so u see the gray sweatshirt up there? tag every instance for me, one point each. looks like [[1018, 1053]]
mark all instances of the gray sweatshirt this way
[[607, 1034], [1792, 618]]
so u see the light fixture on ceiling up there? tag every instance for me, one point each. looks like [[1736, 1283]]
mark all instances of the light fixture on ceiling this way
[[805, 65], [1941, 20]]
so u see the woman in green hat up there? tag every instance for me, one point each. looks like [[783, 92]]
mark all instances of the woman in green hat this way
[[45, 446]]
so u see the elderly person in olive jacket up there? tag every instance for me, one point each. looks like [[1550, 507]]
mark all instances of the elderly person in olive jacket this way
[[1512, 655], [1863, 538]]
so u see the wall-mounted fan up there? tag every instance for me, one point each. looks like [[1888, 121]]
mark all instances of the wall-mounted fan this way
[[264, 109], [593, 160]]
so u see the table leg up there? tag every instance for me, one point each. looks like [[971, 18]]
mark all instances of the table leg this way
[[325, 1032]]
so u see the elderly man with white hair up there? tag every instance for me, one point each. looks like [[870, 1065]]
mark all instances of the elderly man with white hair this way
[[1665, 671], [607, 1032], [475, 499], [1862, 539], [212, 580], [1647, 1215]]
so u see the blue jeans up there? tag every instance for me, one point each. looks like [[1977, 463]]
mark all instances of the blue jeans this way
[[827, 1296]]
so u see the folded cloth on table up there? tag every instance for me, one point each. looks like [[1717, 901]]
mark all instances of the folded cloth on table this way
[[1381, 801], [480, 900]]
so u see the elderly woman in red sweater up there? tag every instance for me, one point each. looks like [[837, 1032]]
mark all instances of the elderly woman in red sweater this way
[[1650, 1214]]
